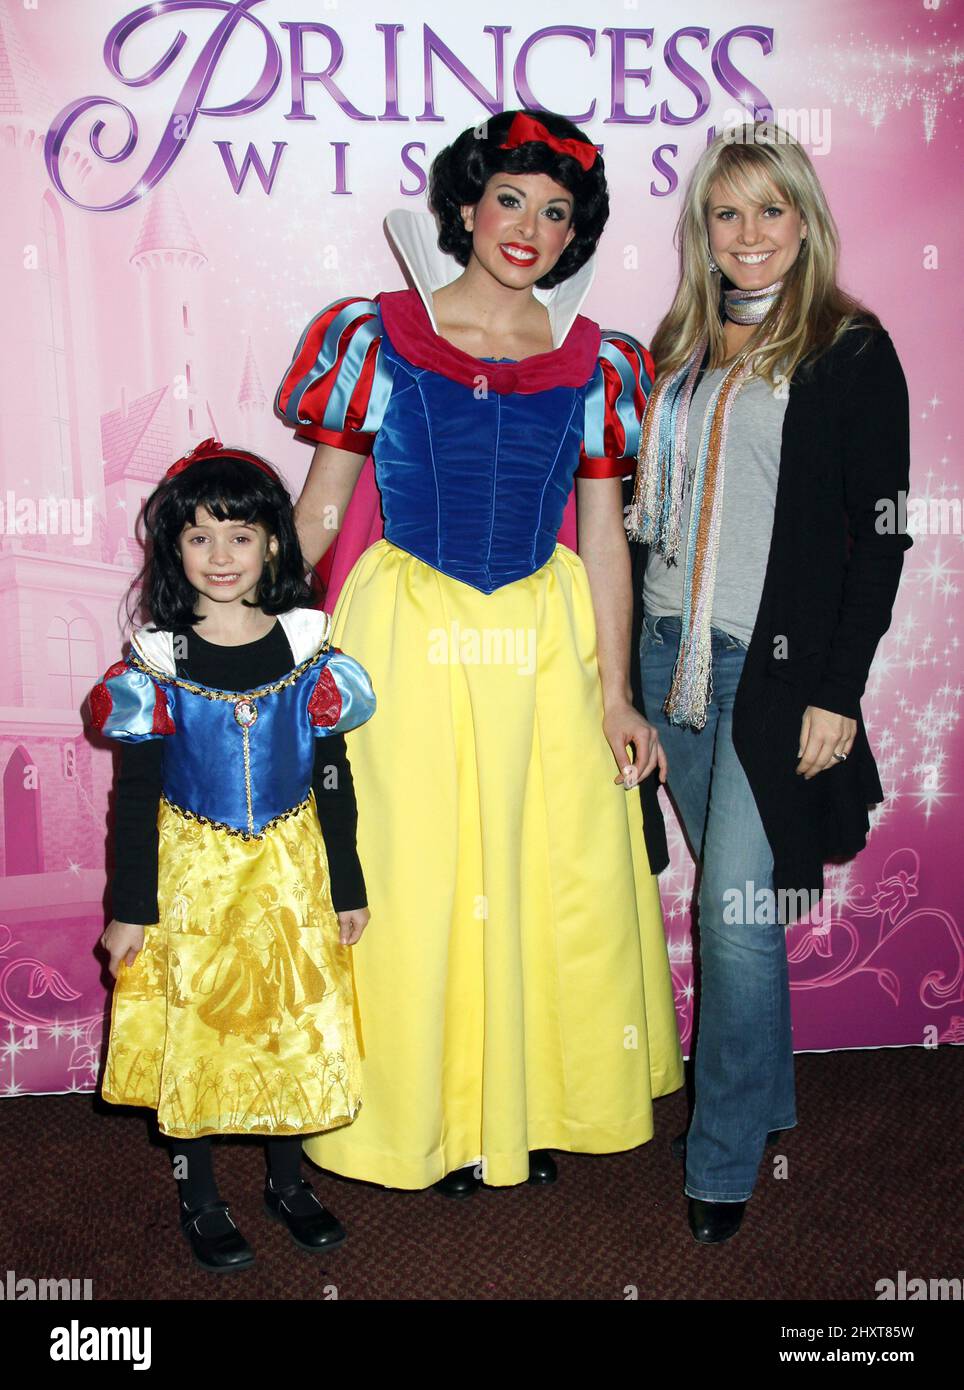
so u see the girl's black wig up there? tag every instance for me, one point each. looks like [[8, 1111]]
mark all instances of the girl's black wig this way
[[231, 490], [460, 172]]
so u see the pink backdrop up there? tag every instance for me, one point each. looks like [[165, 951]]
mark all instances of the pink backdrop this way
[[137, 331]]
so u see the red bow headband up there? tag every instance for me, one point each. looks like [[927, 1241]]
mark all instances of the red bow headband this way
[[525, 128], [213, 449]]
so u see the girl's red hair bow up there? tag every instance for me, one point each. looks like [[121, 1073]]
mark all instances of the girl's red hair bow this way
[[525, 128], [212, 449]]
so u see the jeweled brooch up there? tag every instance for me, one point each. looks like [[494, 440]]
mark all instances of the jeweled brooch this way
[[245, 712]]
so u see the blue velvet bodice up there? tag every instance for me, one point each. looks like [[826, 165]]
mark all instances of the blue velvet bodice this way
[[241, 759], [474, 457], [475, 484], [206, 769]]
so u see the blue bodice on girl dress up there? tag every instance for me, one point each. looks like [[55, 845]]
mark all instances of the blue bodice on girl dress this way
[[239, 759]]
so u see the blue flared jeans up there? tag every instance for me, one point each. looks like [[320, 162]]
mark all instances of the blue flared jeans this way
[[743, 1077]]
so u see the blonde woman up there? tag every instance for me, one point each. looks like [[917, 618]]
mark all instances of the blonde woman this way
[[776, 430]]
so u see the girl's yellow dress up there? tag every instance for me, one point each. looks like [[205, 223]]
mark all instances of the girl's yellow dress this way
[[238, 1015], [513, 983]]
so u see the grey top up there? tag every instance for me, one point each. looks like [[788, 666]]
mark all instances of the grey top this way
[[749, 492]]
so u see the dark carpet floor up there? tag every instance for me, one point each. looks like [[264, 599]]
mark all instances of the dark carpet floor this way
[[872, 1186]]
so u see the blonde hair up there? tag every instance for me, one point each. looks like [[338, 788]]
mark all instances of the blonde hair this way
[[758, 160]]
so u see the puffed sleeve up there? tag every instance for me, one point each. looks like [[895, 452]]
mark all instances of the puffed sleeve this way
[[129, 705], [338, 383], [342, 698], [614, 407]]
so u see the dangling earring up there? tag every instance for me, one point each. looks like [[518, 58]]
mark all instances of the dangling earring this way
[[803, 243], [713, 267]]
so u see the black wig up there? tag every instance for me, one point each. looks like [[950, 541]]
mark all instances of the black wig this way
[[231, 489], [460, 172]]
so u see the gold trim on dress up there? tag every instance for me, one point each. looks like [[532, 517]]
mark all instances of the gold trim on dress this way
[[247, 775], [231, 829], [232, 695]]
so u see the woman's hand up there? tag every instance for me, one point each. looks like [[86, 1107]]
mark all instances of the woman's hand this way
[[604, 552], [122, 941], [822, 734], [624, 724], [353, 923]]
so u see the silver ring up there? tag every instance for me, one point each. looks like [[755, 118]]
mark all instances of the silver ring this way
[[841, 757]]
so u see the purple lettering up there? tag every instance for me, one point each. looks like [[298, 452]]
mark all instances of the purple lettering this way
[[620, 73], [434, 47], [667, 170], [689, 77], [299, 76], [251, 158], [732, 80], [188, 105], [341, 170], [421, 179], [520, 76], [391, 33]]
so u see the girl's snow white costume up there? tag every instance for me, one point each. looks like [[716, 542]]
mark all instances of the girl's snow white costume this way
[[238, 1015]]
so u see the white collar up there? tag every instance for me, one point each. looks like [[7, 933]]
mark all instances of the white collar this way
[[415, 234], [305, 628]]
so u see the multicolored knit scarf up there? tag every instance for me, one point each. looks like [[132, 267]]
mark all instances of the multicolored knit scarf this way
[[655, 516]]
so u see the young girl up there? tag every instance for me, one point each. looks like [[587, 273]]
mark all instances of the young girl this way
[[237, 886]]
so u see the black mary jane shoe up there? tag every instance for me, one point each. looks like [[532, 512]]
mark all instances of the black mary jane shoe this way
[[678, 1145], [542, 1167], [215, 1240], [311, 1225], [713, 1222], [462, 1182]]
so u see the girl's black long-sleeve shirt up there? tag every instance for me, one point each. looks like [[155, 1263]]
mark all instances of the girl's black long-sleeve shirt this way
[[134, 885]]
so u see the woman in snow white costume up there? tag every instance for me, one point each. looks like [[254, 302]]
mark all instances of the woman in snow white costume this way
[[515, 987]]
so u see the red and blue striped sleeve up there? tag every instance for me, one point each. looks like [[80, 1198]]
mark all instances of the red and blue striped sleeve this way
[[337, 386], [615, 403], [343, 697], [128, 705]]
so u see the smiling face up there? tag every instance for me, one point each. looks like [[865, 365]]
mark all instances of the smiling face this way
[[520, 227], [754, 243], [223, 560]]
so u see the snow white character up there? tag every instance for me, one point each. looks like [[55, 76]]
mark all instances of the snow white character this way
[[517, 998]]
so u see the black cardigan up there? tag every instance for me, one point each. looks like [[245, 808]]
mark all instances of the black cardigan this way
[[828, 591]]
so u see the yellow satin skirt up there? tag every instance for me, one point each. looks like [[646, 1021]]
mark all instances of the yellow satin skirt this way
[[238, 1015], [513, 983]]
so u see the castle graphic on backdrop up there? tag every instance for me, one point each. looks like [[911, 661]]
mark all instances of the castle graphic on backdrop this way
[[127, 350], [73, 479]]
